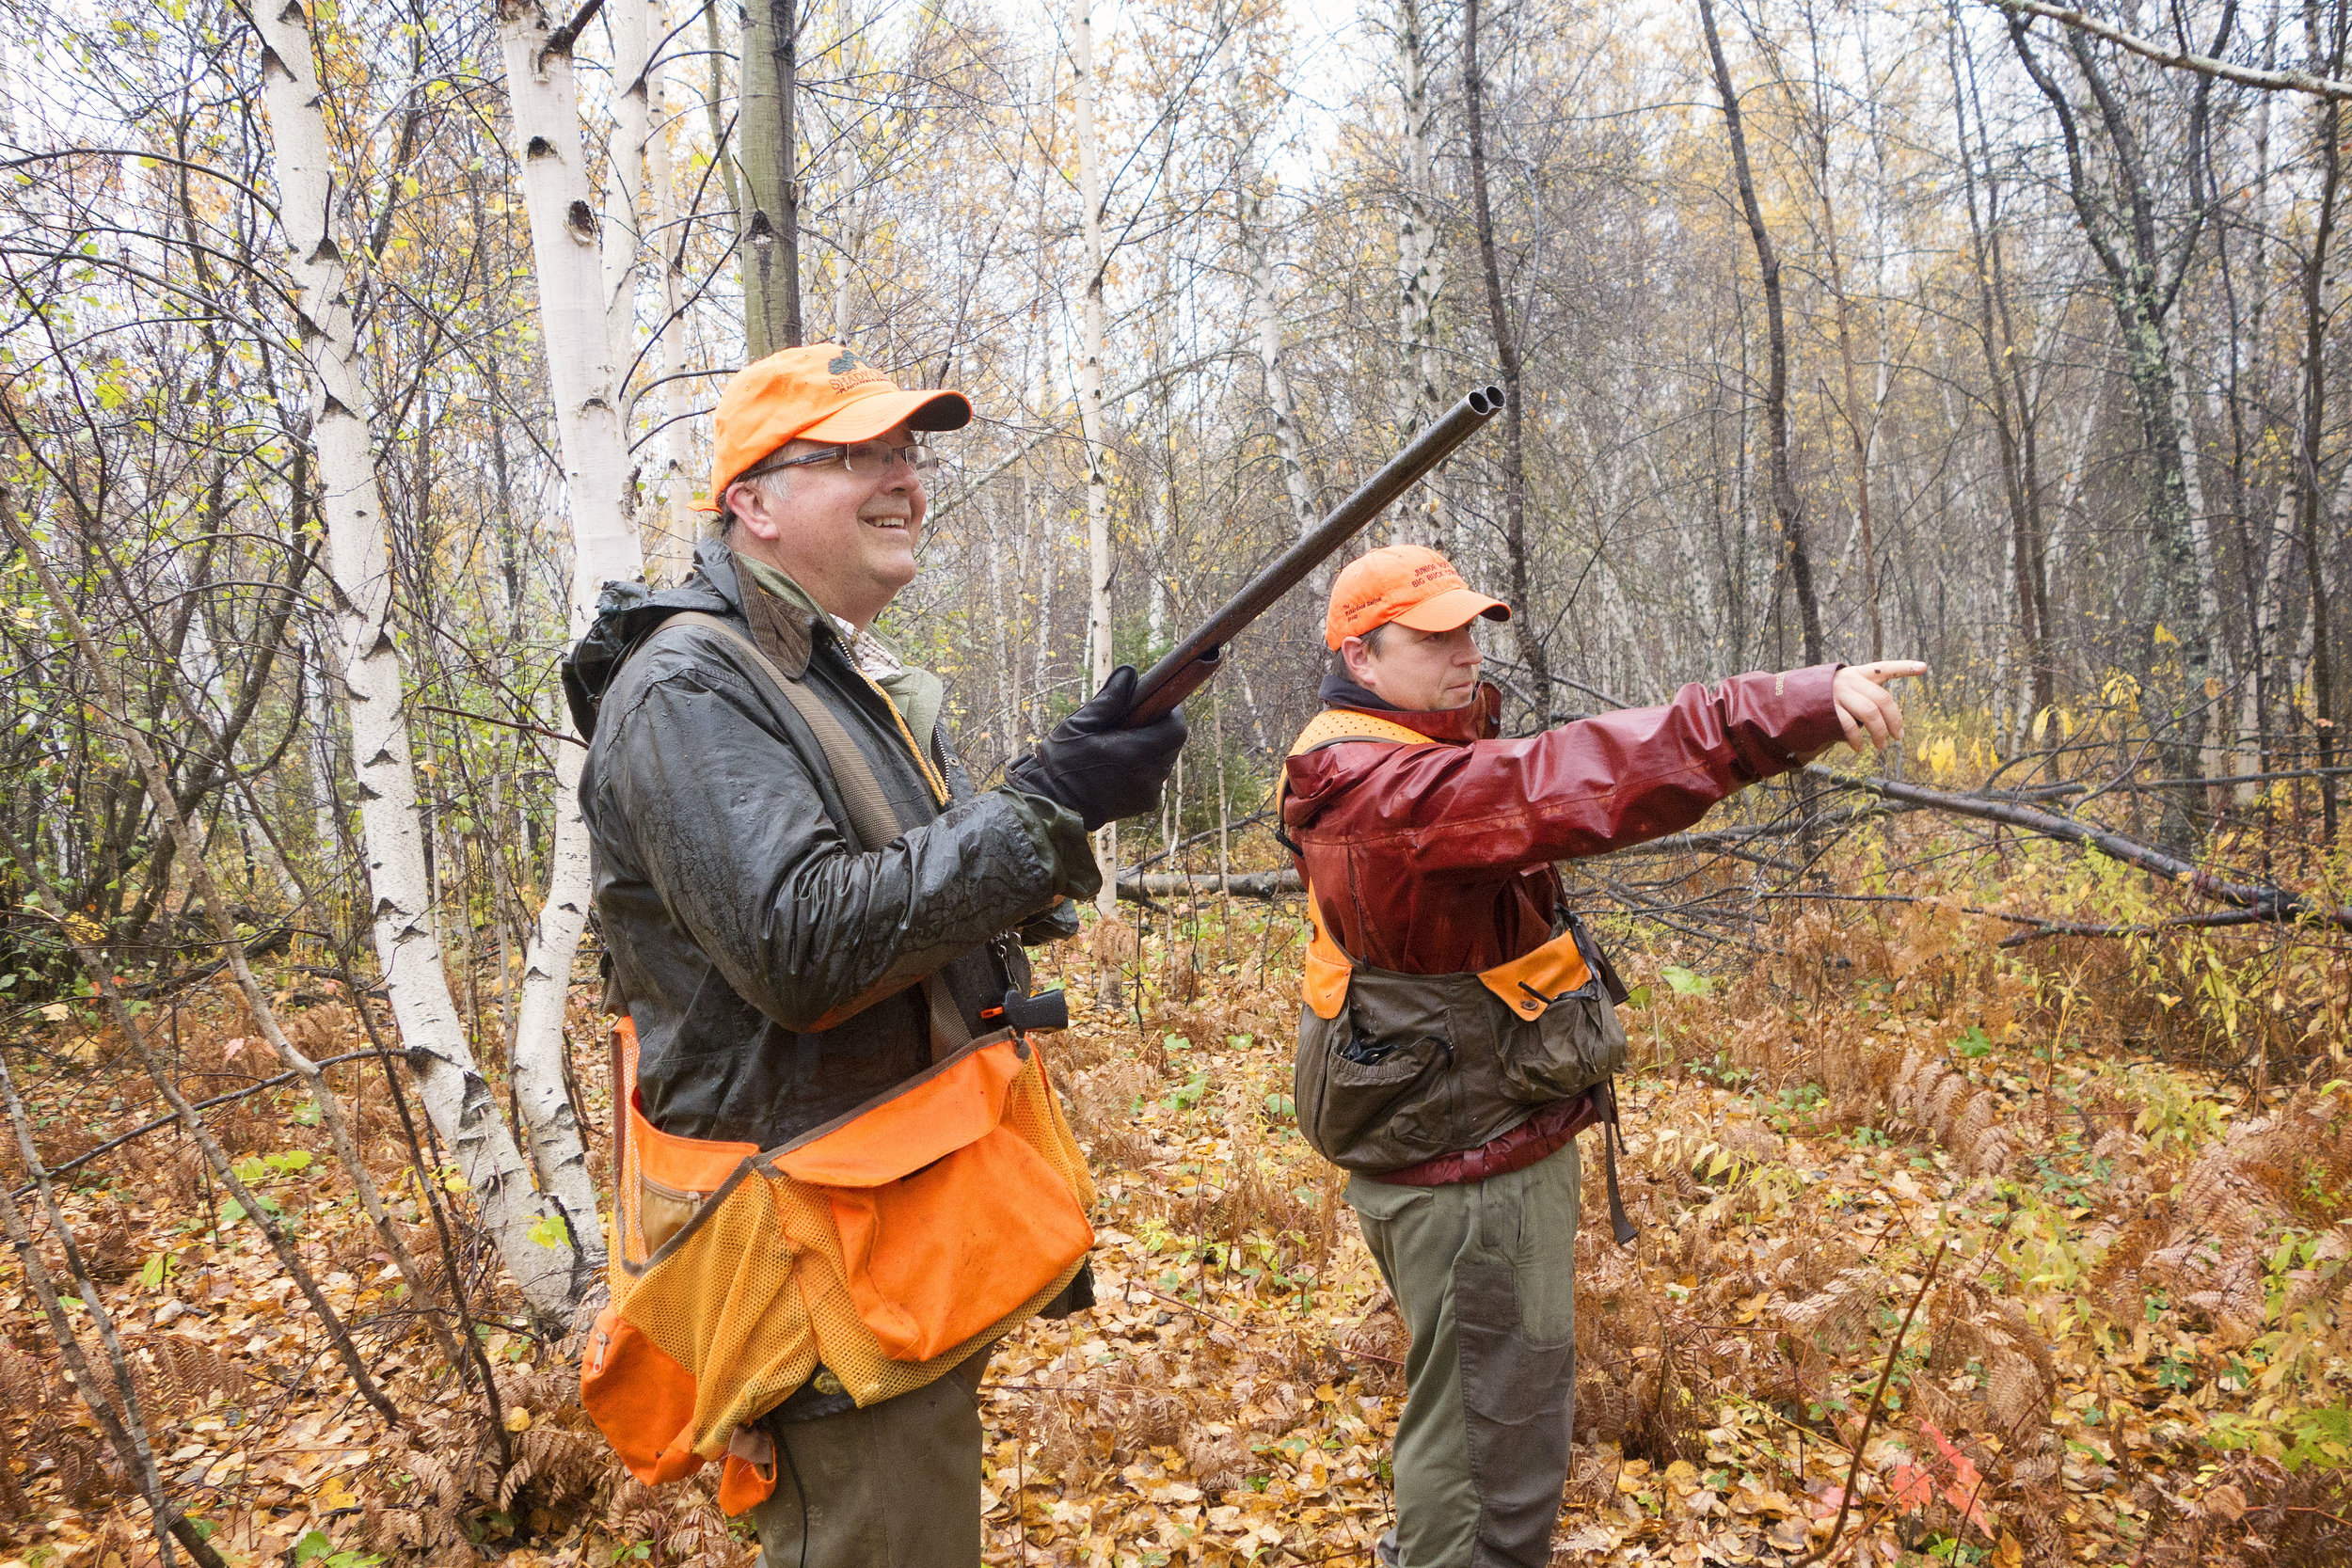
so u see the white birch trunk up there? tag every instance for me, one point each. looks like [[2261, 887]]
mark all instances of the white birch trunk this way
[[579, 328], [674, 552], [624, 186], [1099, 650], [1266, 318], [1421, 273], [456, 1095], [2221, 749]]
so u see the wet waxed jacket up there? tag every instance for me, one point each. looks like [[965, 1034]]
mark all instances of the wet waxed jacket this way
[[733, 913], [1439, 860]]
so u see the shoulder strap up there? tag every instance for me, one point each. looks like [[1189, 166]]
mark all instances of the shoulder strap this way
[[1335, 724], [1329, 728], [872, 824]]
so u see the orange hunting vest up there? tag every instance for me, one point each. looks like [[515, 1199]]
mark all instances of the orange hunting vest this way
[[1551, 970], [889, 1244]]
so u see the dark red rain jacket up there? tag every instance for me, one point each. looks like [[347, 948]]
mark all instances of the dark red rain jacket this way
[[1437, 859]]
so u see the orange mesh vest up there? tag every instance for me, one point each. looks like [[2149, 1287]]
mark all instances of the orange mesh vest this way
[[1524, 984], [889, 1244]]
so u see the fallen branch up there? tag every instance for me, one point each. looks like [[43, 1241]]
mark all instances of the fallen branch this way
[[2182, 59], [2046, 930], [1152, 859], [161, 1122], [2265, 902], [1248, 884]]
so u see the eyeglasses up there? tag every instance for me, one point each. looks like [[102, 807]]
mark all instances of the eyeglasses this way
[[860, 457]]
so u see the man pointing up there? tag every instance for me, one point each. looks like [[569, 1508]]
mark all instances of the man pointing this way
[[1459, 1030]]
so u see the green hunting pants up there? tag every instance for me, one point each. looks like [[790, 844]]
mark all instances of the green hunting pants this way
[[1484, 1275], [895, 1485]]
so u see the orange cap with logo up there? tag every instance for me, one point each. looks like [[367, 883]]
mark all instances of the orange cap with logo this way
[[822, 392], [1407, 585]]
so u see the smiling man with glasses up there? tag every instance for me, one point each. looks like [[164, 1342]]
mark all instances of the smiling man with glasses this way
[[809, 912]]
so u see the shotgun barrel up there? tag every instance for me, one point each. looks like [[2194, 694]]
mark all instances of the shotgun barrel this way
[[1191, 662]]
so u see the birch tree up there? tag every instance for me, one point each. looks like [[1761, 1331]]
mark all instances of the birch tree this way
[[1420, 268], [770, 138], [587, 323], [1253, 229], [1101, 653], [366, 666]]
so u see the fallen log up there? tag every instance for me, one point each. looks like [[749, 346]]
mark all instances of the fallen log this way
[[1148, 889], [2265, 902]]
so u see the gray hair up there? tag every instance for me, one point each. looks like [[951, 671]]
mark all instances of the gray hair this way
[[768, 484]]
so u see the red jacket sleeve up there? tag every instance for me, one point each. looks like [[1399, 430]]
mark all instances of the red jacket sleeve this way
[[1590, 786]]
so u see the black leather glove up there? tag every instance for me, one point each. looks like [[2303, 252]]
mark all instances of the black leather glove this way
[[1097, 769]]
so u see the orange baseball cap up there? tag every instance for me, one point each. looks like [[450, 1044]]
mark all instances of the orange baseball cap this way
[[822, 392], [1406, 583]]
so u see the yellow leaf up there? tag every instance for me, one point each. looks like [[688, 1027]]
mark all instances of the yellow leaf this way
[[2164, 635], [518, 1419]]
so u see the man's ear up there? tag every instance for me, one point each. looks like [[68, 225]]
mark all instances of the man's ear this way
[[1357, 654], [747, 504]]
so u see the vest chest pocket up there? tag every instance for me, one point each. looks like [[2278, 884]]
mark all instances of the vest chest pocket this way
[[1350, 1086], [1570, 1046]]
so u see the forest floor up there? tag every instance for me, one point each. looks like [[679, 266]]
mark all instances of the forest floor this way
[[2101, 1283]]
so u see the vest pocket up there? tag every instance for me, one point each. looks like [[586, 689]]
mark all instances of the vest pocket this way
[[1566, 1049], [1351, 1085], [663, 1212]]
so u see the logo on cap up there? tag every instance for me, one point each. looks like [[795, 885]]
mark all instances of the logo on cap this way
[[848, 370]]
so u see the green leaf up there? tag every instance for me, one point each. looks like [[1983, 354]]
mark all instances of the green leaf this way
[[549, 1231], [1689, 982], [313, 1544]]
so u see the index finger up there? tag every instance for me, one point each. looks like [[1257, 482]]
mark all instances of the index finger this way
[[1891, 669]]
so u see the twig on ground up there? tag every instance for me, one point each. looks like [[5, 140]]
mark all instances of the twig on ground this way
[[1878, 1402]]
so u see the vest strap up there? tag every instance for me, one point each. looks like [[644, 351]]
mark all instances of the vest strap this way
[[871, 824]]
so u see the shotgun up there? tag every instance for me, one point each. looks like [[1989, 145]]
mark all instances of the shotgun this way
[[1191, 662]]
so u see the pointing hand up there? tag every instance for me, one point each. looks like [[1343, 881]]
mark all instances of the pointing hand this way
[[1868, 710]]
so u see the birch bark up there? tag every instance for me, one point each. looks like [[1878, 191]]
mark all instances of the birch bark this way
[[1266, 324], [621, 231], [579, 329], [674, 553], [1421, 272], [1099, 650], [366, 663]]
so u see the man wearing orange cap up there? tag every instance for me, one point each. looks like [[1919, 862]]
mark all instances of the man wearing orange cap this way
[[1459, 1027], [783, 969]]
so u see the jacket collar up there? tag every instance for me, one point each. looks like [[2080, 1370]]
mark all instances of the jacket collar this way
[[786, 627], [1480, 718]]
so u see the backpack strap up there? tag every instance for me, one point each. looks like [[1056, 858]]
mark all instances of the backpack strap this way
[[872, 824]]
